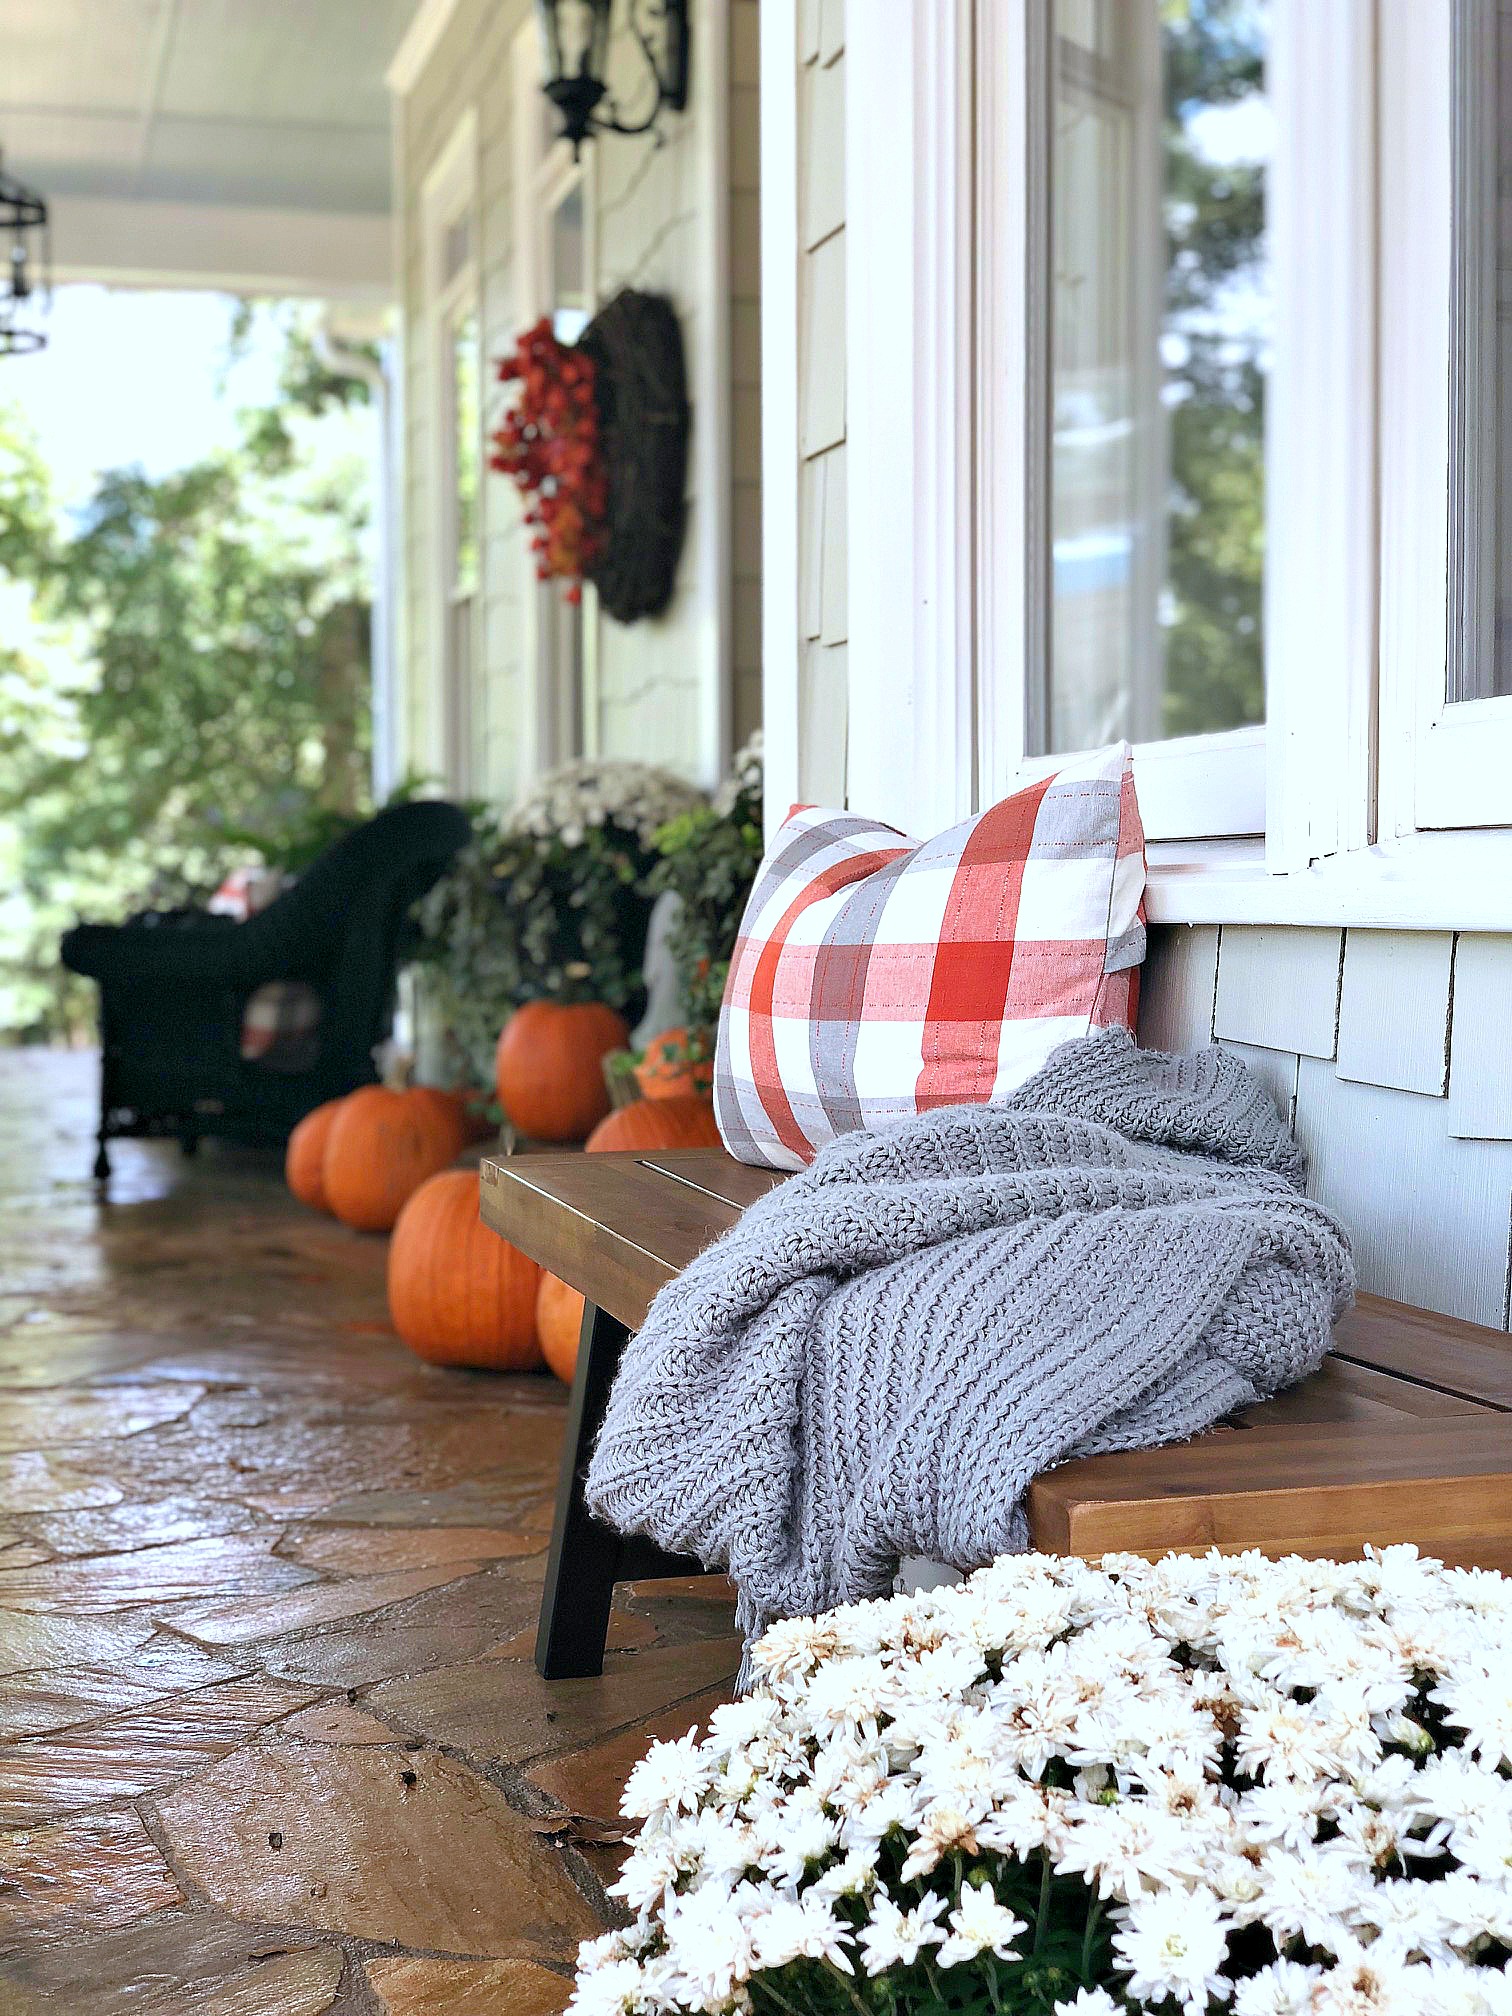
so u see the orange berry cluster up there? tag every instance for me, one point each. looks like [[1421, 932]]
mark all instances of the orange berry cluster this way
[[549, 443]]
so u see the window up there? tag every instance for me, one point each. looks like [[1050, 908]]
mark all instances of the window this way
[[453, 335], [1160, 132], [1219, 294], [1446, 417], [555, 270]]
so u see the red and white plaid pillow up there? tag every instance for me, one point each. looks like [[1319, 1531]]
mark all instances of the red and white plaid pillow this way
[[874, 978], [280, 1028]]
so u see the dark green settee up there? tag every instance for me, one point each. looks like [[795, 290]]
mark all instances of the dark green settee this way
[[174, 987]]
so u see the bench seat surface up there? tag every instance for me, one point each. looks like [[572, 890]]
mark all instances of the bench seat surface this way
[[1403, 1434]]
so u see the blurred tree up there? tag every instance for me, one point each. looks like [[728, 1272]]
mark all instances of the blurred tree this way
[[192, 680], [1215, 371]]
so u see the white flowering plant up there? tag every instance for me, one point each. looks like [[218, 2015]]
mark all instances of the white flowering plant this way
[[1073, 1789], [548, 903]]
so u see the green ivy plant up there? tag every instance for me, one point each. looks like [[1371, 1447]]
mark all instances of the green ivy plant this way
[[708, 858]]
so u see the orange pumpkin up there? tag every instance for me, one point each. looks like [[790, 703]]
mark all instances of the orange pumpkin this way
[[668, 1072], [550, 1067], [559, 1323], [657, 1123], [381, 1147], [466, 1105], [458, 1293], [305, 1155]]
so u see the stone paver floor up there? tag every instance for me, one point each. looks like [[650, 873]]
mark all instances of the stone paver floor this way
[[271, 1739]]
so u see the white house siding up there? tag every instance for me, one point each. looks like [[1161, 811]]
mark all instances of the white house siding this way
[[647, 696], [821, 402], [1389, 1051]]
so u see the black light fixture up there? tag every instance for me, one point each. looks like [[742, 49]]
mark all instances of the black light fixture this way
[[576, 38], [23, 262]]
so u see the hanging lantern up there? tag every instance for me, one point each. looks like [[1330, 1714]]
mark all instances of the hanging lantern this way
[[575, 40], [24, 280]]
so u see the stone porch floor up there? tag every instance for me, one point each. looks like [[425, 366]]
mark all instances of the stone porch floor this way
[[271, 1740]]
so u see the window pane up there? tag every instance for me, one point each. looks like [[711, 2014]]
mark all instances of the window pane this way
[[1480, 660], [568, 253], [467, 438], [1160, 319]]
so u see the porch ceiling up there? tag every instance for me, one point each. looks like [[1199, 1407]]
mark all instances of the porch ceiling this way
[[232, 141]]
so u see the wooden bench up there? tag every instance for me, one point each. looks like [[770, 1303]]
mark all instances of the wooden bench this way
[[1403, 1434]]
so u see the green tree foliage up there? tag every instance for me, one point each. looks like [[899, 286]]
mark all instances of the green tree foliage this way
[[186, 678], [1215, 380]]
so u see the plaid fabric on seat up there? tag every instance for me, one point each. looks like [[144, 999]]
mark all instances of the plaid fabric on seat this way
[[875, 977], [280, 1027]]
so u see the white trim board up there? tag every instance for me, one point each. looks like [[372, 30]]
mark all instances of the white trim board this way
[[121, 242], [1426, 882], [779, 404], [432, 18]]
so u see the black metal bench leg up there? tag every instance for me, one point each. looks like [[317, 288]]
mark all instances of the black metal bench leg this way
[[585, 1557]]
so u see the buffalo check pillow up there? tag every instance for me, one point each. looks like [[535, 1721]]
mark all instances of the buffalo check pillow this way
[[874, 977]]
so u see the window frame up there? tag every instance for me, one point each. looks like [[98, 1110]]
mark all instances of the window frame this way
[[561, 712], [945, 533], [1445, 765], [449, 196]]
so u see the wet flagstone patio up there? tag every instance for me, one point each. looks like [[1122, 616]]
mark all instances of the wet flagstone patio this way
[[271, 1740]]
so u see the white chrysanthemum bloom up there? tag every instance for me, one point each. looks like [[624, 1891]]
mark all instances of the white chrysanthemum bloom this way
[[592, 792], [668, 1779], [895, 1938], [1481, 1705], [1285, 1988], [979, 1924], [1173, 1946], [1210, 1746], [1088, 2002]]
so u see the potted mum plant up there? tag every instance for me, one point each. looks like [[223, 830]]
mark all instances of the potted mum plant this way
[[538, 932], [707, 858], [1274, 1788]]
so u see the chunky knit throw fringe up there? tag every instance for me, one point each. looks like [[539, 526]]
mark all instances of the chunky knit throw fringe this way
[[883, 1353]]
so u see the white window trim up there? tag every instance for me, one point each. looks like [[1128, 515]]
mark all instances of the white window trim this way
[[1353, 582], [449, 191], [780, 526], [1449, 766], [541, 182]]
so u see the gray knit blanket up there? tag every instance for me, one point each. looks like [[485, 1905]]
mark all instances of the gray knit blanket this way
[[881, 1355]]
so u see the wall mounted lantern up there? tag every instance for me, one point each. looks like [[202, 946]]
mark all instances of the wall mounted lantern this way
[[23, 262], [575, 34]]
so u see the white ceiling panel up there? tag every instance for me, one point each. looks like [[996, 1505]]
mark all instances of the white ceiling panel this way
[[260, 104], [87, 56], [317, 61], [289, 167]]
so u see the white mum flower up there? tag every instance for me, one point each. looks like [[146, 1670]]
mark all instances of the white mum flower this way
[[895, 1938], [669, 1779], [1172, 1946], [1285, 1988], [1088, 2002], [1481, 1705], [618, 1988], [1306, 1895], [979, 1924]]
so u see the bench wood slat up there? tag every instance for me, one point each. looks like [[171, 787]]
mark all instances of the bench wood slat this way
[[1403, 1433], [1304, 1488]]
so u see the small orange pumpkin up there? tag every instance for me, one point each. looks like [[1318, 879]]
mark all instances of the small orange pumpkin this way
[[467, 1107], [381, 1147], [550, 1067], [458, 1293], [304, 1157], [669, 1071], [559, 1324], [657, 1123]]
